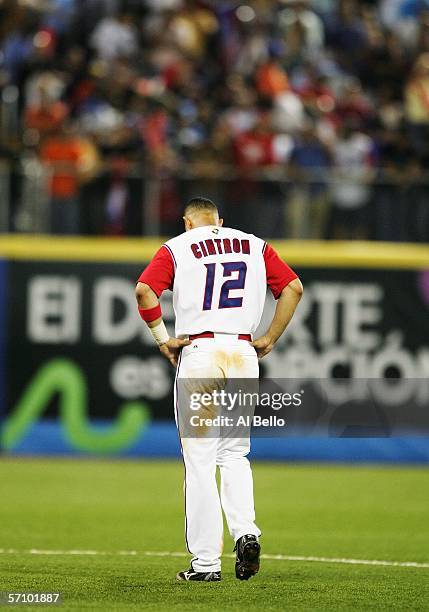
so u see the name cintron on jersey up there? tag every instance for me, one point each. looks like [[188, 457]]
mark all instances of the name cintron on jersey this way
[[220, 246]]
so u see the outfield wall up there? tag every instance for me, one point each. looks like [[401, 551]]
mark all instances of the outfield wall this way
[[79, 373]]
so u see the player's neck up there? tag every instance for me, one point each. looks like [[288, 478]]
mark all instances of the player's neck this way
[[204, 220]]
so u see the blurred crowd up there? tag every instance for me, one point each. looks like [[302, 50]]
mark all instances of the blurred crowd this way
[[303, 119]]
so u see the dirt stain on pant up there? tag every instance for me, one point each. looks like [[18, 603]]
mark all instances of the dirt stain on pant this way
[[217, 376], [226, 361]]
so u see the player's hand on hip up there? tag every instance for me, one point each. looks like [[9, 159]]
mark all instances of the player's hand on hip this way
[[263, 346], [171, 349]]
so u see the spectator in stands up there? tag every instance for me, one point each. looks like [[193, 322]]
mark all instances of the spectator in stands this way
[[115, 36], [241, 114], [298, 15], [308, 204], [255, 153], [353, 160], [417, 103], [271, 79], [18, 47], [253, 50], [191, 27], [171, 86], [352, 105], [68, 160], [403, 17], [46, 114], [401, 194], [346, 34]]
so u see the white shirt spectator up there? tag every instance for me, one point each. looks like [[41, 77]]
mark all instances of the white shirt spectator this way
[[113, 38], [240, 119], [352, 161], [288, 114], [389, 11], [311, 23], [405, 25], [253, 52]]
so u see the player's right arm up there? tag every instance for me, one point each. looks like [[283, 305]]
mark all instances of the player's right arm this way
[[158, 276], [287, 289]]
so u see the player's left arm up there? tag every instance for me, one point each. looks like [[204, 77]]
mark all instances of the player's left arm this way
[[285, 309], [158, 276], [287, 289]]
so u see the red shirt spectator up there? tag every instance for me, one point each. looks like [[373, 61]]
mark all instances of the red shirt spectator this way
[[45, 117], [271, 80], [255, 148], [62, 153]]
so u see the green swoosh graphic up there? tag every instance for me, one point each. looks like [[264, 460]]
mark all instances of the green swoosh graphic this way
[[64, 377]]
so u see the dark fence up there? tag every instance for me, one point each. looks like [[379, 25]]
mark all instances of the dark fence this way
[[319, 204]]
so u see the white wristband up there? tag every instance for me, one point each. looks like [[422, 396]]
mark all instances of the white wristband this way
[[159, 333]]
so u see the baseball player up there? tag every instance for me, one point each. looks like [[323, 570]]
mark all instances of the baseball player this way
[[219, 278]]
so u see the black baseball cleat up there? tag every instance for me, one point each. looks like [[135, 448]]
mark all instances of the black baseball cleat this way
[[248, 552], [191, 575]]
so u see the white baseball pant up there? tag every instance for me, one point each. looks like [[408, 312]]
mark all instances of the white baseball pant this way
[[221, 357]]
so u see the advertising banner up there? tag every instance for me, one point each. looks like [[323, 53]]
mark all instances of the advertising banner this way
[[81, 375]]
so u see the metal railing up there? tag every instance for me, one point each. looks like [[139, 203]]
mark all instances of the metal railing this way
[[277, 202]]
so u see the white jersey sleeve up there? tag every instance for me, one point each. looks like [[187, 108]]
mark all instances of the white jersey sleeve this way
[[220, 281]]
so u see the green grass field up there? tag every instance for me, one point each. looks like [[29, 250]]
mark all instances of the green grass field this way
[[108, 507]]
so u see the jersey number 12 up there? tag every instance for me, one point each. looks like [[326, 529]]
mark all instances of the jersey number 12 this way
[[225, 301]]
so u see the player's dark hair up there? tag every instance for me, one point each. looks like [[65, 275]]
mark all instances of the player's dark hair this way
[[200, 204]]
